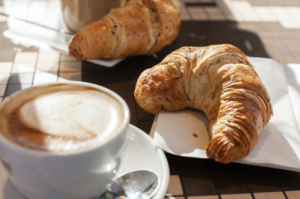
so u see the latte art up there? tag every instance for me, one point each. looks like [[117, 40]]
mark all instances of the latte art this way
[[80, 114], [65, 120]]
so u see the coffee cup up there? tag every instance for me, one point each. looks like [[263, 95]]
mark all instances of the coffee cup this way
[[79, 13], [63, 140]]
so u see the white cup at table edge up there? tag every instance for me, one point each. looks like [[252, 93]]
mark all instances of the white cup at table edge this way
[[80, 174]]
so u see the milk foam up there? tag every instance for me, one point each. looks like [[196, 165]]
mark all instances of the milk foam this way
[[78, 114]]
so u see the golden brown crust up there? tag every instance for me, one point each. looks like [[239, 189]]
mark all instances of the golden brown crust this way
[[221, 82], [139, 27]]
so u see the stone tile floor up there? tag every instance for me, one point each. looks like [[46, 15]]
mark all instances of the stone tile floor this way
[[269, 28]]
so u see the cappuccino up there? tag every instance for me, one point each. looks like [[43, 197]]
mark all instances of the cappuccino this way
[[60, 117]]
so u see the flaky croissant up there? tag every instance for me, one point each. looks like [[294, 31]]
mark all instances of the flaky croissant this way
[[218, 80], [140, 27]]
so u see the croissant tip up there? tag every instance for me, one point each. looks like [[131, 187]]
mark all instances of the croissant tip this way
[[75, 53], [74, 48], [221, 150]]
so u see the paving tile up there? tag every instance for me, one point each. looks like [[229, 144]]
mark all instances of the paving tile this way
[[172, 163], [205, 1], [21, 78], [220, 167], [2, 90], [70, 66], [273, 195], [69, 76], [198, 184], [286, 60], [7, 46], [43, 77], [230, 183], [93, 77], [190, 1], [203, 197], [236, 14], [144, 115], [121, 87], [288, 180], [26, 57], [283, 17], [275, 2], [275, 27], [23, 67], [7, 57], [133, 118], [244, 8], [264, 14], [47, 50], [293, 12], [145, 126], [261, 53], [134, 123], [116, 76], [285, 36], [274, 45], [192, 165], [277, 53], [245, 167], [295, 54], [292, 46], [174, 187], [48, 57], [187, 36], [5, 67], [259, 27], [197, 13], [184, 15], [3, 18], [214, 13], [24, 48], [47, 66], [66, 58], [293, 194], [11, 88], [236, 196], [262, 181], [4, 78], [129, 99]]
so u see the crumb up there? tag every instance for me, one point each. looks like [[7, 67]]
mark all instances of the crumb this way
[[265, 131], [195, 135]]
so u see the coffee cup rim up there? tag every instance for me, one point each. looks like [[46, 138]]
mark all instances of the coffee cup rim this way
[[123, 126]]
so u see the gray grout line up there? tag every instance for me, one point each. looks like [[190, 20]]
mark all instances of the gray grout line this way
[[12, 67]]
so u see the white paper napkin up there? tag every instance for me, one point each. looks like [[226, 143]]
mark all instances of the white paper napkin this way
[[185, 133]]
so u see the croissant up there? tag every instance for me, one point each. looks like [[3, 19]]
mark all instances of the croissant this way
[[221, 82], [140, 27]]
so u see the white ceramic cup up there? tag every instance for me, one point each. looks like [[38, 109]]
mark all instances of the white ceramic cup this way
[[79, 13], [80, 174]]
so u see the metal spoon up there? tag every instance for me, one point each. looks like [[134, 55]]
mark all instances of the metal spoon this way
[[139, 184]]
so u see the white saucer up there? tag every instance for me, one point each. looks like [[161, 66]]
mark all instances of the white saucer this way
[[140, 154]]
